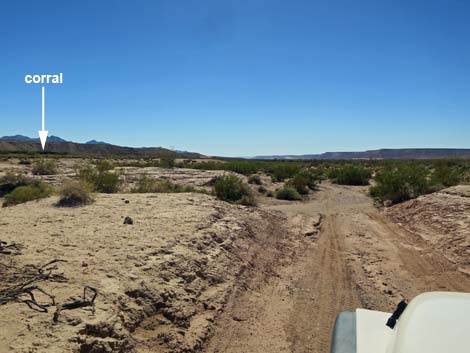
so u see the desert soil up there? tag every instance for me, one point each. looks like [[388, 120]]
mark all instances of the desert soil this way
[[194, 274], [360, 258]]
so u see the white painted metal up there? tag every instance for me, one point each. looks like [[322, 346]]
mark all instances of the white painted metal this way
[[372, 336], [435, 322]]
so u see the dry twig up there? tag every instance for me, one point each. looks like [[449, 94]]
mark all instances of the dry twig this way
[[26, 285], [78, 303]]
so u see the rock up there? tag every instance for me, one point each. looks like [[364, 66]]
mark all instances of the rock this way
[[127, 201], [388, 203], [128, 220]]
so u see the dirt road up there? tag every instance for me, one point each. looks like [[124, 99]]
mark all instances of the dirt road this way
[[359, 259]]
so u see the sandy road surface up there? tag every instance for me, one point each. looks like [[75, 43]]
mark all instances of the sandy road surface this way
[[359, 259]]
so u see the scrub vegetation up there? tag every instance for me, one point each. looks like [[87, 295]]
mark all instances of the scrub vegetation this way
[[232, 189], [44, 167], [34, 191], [75, 193], [100, 177], [147, 184], [288, 193]]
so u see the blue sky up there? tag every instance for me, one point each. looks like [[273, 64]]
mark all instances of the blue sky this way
[[241, 78]]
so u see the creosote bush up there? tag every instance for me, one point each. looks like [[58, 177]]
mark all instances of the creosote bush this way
[[232, 189], [147, 184], [401, 182], [255, 179], [304, 181], [100, 177], [11, 180], [350, 175], [288, 193], [21, 194], [44, 167], [75, 193], [447, 176]]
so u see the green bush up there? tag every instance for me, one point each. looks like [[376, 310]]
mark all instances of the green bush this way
[[282, 171], [350, 175], [255, 179], [232, 189], [447, 176], [37, 190], [167, 162], [100, 177], [45, 167], [144, 184], [304, 181], [247, 200], [401, 182], [104, 166], [147, 184], [75, 193], [11, 180], [288, 193]]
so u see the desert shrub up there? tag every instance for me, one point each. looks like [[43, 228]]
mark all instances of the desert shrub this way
[[447, 176], [167, 162], [100, 177], [288, 193], [45, 167], [21, 194], [104, 165], [75, 193], [400, 183], [107, 182], [270, 194], [283, 171], [255, 179], [24, 161], [232, 189], [303, 181], [147, 184], [247, 200], [167, 186], [350, 175], [144, 184], [11, 180], [262, 190]]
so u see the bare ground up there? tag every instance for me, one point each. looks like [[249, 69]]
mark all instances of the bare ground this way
[[194, 274], [359, 259], [161, 282]]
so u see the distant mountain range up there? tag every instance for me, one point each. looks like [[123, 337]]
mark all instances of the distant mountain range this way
[[26, 138], [93, 148], [51, 138], [404, 153], [55, 144], [94, 142]]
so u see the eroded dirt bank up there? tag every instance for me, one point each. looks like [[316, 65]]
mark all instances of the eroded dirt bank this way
[[359, 259], [194, 274], [161, 281]]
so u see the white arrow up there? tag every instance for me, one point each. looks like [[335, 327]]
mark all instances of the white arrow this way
[[43, 133]]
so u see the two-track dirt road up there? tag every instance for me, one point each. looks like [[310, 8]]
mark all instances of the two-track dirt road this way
[[359, 259]]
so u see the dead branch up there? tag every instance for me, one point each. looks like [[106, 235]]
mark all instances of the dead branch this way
[[78, 303], [6, 248], [26, 284]]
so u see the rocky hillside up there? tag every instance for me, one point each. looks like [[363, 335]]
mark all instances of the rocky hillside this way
[[95, 150]]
